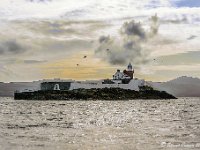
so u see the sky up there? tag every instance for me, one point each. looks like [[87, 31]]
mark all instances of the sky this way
[[90, 39]]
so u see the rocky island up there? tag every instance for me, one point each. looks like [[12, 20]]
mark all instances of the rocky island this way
[[145, 92], [123, 86]]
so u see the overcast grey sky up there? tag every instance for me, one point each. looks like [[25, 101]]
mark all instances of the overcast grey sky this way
[[48, 38]]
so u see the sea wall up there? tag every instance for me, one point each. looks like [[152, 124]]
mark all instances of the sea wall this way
[[132, 85]]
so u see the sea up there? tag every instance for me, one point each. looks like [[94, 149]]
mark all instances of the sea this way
[[101, 125]]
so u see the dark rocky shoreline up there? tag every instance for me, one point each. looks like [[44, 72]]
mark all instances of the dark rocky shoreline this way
[[95, 94]]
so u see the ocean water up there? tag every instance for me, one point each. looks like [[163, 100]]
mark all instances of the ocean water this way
[[115, 125]]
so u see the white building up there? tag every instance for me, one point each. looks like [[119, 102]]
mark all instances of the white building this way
[[126, 74], [118, 75], [132, 85]]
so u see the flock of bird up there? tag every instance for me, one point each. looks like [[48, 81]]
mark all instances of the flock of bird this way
[[84, 57]]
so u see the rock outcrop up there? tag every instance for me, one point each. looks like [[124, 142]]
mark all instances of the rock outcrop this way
[[95, 94]]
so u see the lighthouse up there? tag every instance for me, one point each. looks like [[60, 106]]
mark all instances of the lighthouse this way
[[129, 72], [126, 75], [130, 67]]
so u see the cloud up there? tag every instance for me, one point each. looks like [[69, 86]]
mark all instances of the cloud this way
[[129, 47], [34, 61], [154, 25], [58, 29], [176, 20], [38, 1], [104, 39], [48, 38], [11, 47], [55, 30], [133, 29], [189, 58], [192, 37]]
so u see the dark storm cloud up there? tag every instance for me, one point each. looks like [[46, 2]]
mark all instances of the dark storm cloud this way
[[11, 47], [104, 39], [133, 29], [129, 47]]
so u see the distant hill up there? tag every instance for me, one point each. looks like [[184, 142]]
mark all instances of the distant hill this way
[[180, 87], [7, 89]]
